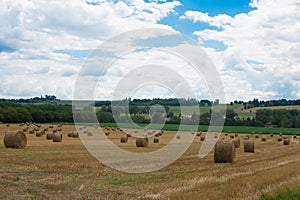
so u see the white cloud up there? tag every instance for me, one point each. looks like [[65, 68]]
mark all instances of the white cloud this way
[[262, 49], [37, 29]]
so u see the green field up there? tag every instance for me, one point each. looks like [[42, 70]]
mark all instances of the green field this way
[[233, 129]]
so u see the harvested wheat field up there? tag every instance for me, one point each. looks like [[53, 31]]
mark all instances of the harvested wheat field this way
[[65, 170]]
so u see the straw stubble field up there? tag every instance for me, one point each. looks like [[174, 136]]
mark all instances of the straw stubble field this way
[[65, 170]]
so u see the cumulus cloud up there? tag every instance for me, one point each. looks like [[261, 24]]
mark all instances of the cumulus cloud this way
[[262, 52], [36, 39]]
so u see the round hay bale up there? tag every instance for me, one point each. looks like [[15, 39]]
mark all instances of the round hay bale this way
[[38, 134], [249, 146], [226, 134], [236, 142], [236, 135], [150, 133], [59, 129], [145, 129], [161, 133], [49, 136], [156, 140], [279, 139], [202, 138], [7, 125], [198, 134], [22, 124], [75, 135], [57, 137], [50, 126], [295, 136], [178, 137], [231, 136], [89, 133], [157, 135], [256, 136], [224, 151], [124, 139], [59, 125], [128, 135], [107, 133], [70, 134], [280, 134], [25, 129], [15, 139], [45, 129], [31, 131], [55, 130], [263, 139], [142, 142], [113, 129], [285, 137], [286, 141], [246, 137], [271, 135], [36, 129]]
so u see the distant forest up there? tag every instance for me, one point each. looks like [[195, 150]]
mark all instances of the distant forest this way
[[50, 109]]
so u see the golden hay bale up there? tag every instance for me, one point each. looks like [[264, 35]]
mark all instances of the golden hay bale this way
[[55, 130], [128, 135], [50, 126], [202, 138], [59, 129], [89, 133], [7, 125], [59, 125], [271, 135], [22, 124], [178, 137], [263, 139], [25, 129], [256, 136], [70, 134], [142, 142], [75, 135], [38, 134], [31, 131], [280, 134], [236, 135], [295, 136], [279, 139], [286, 141], [246, 137], [285, 137], [36, 129], [113, 129], [45, 129], [161, 133], [224, 151], [57, 137], [226, 134], [157, 135], [49, 136], [15, 139], [231, 136], [236, 142], [249, 146], [124, 139], [156, 140], [107, 133], [198, 134]]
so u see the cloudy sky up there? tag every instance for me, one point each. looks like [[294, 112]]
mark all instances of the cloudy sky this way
[[254, 44]]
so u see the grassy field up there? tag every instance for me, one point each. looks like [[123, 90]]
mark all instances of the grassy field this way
[[47, 170]]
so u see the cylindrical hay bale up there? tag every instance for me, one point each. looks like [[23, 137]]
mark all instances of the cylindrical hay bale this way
[[236, 135], [202, 138], [59, 129], [285, 137], [59, 125], [39, 134], [224, 151], [178, 137], [75, 135], [263, 139], [89, 133], [55, 130], [15, 139], [271, 135], [226, 134], [36, 129], [128, 135], [45, 129], [246, 137], [7, 125], [50, 126], [231, 136], [280, 134], [70, 134], [161, 133], [124, 139], [156, 140], [31, 131], [256, 136], [286, 141], [25, 129], [57, 137], [142, 142], [249, 146], [198, 134], [295, 136], [157, 135], [107, 133], [49, 136], [113, 129], [279, 139], [236, 142]]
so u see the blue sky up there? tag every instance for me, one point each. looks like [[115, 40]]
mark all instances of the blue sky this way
[[254, 44]]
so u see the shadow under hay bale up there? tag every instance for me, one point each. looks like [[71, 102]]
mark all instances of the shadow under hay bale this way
[[124, 139], [57, 137], [15, 139], [155, 140], [286, 141], [249, 146], [49, 136], [224, 151], [142, 142], [271, 135], [236, 142], [295, 136]]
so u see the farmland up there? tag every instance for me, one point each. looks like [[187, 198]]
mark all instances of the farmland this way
[[47, 170]]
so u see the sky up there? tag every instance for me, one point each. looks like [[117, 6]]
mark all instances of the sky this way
[[254, 45]]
